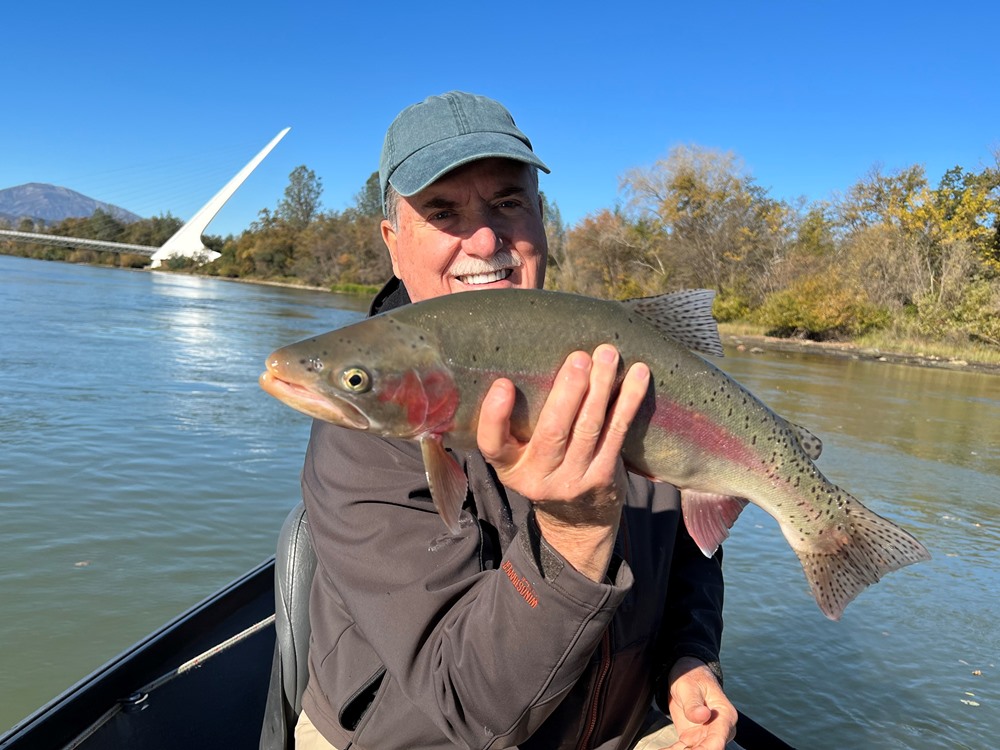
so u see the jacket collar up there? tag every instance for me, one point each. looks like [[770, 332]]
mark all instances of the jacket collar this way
[[391, 296]]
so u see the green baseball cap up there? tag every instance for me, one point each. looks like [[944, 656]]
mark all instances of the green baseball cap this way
[[434, 136]]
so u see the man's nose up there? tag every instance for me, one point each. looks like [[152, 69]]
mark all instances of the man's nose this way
[[483, 242]]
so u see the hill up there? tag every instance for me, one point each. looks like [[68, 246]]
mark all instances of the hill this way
[[51, 204]]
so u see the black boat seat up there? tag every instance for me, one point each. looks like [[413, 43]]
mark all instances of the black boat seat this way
[[294, 566]]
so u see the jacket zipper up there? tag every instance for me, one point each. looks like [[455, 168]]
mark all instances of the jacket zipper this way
[[602, 675], [595, 701]]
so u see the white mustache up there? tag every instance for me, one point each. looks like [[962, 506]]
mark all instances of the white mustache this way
[[499, 261]]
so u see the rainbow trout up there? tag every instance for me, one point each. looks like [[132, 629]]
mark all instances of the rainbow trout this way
[[420, 372]]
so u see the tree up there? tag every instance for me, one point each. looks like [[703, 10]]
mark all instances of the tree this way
[[368, 201], [719, 228], [301, 203], [607, 258]]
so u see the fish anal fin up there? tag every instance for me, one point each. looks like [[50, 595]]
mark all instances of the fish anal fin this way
[[685, 317], [448, 483], [709, 517]]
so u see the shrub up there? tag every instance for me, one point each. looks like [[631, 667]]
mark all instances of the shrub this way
[[819, 307]]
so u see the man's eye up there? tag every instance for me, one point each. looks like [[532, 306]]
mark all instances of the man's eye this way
[[508, 204], [442, 215]]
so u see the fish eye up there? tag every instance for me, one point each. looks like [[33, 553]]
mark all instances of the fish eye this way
[[356, 380]]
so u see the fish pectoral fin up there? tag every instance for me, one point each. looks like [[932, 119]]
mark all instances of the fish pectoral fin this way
[[448, 483], [709, 517], [685, 317]]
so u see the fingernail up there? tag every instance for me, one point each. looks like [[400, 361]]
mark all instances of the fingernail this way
[[606, 354], [580, 361]]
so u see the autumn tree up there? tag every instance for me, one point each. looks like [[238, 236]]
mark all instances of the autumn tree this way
[[720, 229], [604, 256]]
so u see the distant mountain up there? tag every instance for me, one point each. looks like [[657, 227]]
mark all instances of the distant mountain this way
[[51, 204]]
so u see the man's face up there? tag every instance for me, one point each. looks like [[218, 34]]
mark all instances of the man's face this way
[[478, 227]]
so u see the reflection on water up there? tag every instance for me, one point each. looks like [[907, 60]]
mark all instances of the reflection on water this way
[[141, 468]]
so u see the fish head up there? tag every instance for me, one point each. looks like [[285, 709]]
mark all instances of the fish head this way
[[379, 375]]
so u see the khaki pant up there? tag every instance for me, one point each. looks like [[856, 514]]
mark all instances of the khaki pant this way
[[659, 733], [307, 737]]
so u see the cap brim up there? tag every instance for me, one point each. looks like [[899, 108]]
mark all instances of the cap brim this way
[[432, 162]]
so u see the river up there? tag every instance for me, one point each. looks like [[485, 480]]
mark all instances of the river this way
[[141, 468]]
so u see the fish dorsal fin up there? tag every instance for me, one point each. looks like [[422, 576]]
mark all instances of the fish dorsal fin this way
[[709, 517], [810, 444], [448, 483], [685, 317]]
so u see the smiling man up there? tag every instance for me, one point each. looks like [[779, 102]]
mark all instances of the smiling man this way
[[571, 596], [477, 227]]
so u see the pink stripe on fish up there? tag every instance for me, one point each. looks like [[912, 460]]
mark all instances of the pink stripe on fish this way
[[698, 429]]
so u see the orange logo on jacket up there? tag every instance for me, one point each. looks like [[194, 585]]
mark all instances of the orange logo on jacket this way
[[520, 584]]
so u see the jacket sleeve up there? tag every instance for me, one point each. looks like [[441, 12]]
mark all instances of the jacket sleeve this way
[[484, 654], [693, 615]]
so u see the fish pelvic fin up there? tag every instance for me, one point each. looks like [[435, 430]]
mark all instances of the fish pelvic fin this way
[[859, 553], [448, 483], [709, 517], [685, 317]]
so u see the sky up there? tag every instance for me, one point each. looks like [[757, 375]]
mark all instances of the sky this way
[[154, 106]]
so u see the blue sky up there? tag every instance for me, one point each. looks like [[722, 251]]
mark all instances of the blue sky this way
[[154, 106]]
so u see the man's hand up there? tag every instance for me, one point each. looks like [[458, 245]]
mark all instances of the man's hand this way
[[702, 714], [571, 468]]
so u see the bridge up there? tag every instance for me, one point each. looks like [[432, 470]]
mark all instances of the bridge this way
[[185, 243]]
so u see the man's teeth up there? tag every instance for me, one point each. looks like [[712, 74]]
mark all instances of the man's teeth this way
[[486, 278]]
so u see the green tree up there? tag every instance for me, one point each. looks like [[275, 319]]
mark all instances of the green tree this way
[[368, 201], [301, 203]]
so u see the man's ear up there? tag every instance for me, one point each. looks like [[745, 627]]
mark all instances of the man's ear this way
[[389, 238]]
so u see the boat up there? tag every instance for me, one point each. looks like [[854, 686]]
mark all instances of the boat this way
[[229, 673]]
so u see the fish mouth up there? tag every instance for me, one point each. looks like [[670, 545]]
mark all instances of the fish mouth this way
[[308, 402]]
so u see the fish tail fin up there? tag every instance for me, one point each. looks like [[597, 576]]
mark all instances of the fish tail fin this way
[[855, 555]]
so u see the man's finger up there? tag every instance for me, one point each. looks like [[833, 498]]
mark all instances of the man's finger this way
[[493, 433], [555, 421], [630, 398], [590, 421]]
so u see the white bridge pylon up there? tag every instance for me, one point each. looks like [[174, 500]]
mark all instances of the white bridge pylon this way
[[186, 242]]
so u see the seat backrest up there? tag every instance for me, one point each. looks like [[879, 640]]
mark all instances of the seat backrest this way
[[294, 566]]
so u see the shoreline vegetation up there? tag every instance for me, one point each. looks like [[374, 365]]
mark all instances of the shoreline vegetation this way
[[895, 269]]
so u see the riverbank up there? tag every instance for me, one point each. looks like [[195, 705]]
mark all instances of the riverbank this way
[[757, 343]]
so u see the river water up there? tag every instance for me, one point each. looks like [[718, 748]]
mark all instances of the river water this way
[[141, 468]]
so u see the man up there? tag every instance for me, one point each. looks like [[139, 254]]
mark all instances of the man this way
[[572, 596]]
